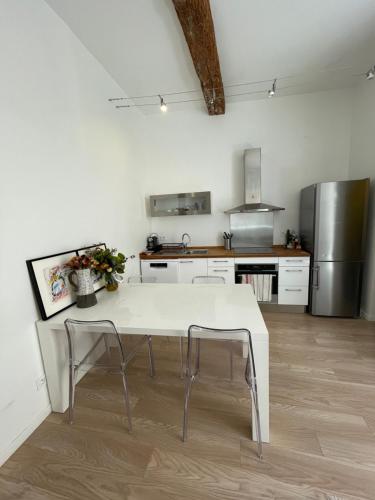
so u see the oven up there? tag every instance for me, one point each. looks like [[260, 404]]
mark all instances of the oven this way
[[243, 270]]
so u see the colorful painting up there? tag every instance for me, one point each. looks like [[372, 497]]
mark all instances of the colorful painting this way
[[57, 281], [50, 282]]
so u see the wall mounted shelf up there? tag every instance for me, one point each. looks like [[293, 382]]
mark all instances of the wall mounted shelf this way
[[164, 205]]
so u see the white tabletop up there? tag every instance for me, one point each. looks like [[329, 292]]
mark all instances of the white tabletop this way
[[169, 309]]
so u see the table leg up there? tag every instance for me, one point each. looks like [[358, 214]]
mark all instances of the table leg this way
[[261, 359], [54, 348]]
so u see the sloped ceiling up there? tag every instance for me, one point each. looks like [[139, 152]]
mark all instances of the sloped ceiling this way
[[316, 44]]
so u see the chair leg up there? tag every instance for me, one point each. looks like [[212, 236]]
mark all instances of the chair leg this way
[[126, 398], [182, 357], [198, 357], [231, 360], [251, 382], [107, 347], [189, 378], [254, 394], [189, 382], [71, 392], [151, 356]]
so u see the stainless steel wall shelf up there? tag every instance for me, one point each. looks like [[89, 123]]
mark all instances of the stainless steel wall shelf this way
[[164, 205]]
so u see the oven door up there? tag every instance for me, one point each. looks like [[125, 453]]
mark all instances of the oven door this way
[[246, 270]]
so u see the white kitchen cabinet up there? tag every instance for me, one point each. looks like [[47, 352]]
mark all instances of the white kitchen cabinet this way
[[164, 271], [294, 275], [293, 295], [226, 272], [222, 267], [220, 262], [294, 261], [298, 276], [189, 268], [293, 281]]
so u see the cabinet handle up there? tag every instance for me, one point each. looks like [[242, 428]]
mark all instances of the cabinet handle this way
[[293, 270], [294, 260], [186, 261], [220, 270], [293, 289], [220, 261]]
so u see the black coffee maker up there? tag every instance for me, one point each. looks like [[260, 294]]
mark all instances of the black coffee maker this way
[[153, 243]]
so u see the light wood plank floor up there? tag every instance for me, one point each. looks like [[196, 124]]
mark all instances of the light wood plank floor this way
[[322, 426]]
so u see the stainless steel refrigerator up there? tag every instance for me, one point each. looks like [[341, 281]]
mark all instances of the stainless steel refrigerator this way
[[333, 229]]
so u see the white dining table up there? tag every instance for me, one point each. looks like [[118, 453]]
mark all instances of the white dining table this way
[[162, 309]]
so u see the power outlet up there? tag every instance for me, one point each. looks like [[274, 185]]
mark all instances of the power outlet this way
[[40, 382]]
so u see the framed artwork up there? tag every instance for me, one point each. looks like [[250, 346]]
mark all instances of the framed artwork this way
[[49, 279], [98, 281]]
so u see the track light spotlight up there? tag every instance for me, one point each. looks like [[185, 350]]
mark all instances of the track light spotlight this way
[[272, 91], [370, 73], [163, 106]]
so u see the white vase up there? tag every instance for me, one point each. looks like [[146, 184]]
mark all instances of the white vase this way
[[81, 282]]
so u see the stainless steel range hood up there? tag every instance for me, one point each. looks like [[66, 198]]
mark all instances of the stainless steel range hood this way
[[253, 199]]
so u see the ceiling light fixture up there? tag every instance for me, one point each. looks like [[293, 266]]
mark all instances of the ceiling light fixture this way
[[163, 106], [370, 73], [272, 91]]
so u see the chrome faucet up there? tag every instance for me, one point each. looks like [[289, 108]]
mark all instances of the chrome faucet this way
[[184, 244]]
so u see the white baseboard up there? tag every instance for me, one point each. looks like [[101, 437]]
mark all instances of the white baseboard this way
[[21, 438], [367, 316]]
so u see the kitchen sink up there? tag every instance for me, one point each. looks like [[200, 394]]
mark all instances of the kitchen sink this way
[[196, 252], [180, 251]]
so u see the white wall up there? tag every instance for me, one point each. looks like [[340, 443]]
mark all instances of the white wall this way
[[69, 177], [304, 139], [362, 164]]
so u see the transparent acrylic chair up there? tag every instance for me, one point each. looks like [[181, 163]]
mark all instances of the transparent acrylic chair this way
[[138, 278], [213, 280], [91, 334], [198, 332]]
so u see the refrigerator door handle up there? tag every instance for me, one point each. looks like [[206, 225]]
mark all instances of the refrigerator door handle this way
[[316, 269]]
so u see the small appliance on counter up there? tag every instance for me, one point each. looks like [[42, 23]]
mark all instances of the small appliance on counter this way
[[292, 240], [153, 244]]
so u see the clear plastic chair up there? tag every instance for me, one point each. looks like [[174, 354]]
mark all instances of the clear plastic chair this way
[[198, 332], [138, 278], [100, 331], [203, 280]]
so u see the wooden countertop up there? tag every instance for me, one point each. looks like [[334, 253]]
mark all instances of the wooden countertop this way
[[215, 252]]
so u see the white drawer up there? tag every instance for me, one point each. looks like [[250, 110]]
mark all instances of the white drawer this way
[[218, 262], [298, 276], [293, 295], [226, 272], [294, 261]]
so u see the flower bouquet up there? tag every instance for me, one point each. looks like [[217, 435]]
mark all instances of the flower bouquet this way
[[110, 264]]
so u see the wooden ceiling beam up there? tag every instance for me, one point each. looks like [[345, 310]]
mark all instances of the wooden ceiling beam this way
[[196, 21]]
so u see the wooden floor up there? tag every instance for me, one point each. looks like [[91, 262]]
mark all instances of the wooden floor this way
[[322, 426]]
